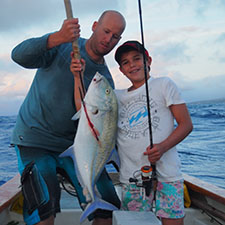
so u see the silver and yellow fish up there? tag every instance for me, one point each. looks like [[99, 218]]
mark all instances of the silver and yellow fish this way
[[95, 140]]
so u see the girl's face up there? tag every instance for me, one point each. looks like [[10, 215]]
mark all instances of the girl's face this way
[[132, 66]]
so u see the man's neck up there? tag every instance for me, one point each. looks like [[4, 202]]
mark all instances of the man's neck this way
[[97, 59]]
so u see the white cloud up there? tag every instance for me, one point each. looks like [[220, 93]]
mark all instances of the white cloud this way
[[11, 86], [185, 39], [24, 14], [211, 87]]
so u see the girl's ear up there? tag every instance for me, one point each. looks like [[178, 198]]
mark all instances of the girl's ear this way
[[149, 60], [121, 69]]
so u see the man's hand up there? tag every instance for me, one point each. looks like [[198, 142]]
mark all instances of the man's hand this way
[[69, 32]]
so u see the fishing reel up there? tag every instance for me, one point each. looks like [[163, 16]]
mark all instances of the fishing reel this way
[[146, 174]]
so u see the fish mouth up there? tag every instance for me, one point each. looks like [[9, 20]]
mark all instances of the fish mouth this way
[[97, 78]]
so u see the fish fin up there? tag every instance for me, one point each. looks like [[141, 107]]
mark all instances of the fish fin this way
[[97, 204], [86, 194], [98, 194], [69, 153], [76, 116], [114, 159]]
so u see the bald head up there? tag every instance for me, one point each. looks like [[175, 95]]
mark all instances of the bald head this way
[[114, 15], [106, 34]]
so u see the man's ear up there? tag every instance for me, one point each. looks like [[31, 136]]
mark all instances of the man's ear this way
[[94, 26]]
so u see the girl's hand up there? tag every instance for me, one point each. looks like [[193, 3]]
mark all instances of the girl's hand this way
[[155, 153], [76, 65]]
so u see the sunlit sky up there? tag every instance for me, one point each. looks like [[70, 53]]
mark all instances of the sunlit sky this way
[[186, 39]]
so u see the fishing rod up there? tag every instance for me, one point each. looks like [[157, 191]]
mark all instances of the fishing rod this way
[[146, 78], [143, 169]]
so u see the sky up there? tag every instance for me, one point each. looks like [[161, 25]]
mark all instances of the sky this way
[[186, 39]]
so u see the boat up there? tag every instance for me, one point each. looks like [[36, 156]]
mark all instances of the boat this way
[[205, 205]]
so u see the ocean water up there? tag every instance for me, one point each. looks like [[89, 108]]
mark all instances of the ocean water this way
[[202, 153]]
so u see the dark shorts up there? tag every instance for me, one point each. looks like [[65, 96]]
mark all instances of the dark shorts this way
[[47, 164]]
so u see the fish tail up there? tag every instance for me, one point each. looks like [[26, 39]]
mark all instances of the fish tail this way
[[97, 204]]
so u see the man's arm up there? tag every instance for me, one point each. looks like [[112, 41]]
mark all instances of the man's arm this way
[[33, 52], [184, 127]]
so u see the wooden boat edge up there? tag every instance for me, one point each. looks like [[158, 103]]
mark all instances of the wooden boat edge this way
[[205, 188], [9, 191]]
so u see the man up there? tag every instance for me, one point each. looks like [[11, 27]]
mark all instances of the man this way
[[44, 128]]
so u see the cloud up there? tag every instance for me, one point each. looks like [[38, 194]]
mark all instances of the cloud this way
[[184, 38], [15, 86], [25, 14], [211, 87], [218, 53], [10, 106], [173, 52], [220, 38], [201, 9], [13, 89]]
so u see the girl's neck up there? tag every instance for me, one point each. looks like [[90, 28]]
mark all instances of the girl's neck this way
[[136, 85]]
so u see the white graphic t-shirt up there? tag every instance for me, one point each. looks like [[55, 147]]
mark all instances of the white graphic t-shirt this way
[[133, 129]]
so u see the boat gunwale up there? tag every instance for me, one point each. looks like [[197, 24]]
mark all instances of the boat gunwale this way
[[9, 191], [205, 188]]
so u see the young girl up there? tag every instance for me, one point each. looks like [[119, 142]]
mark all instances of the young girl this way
[[133, 141]]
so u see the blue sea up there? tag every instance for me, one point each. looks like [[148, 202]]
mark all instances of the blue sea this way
[[202, 153]]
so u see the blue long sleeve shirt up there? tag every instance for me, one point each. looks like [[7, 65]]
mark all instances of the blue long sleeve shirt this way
[[44, 119]]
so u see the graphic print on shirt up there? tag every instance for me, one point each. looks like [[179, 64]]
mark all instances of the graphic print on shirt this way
[[133, 116]]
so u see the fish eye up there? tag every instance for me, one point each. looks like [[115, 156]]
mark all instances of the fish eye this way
[[107, 91], [95, 112]]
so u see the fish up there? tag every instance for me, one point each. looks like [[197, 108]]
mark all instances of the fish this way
[[94, 143]]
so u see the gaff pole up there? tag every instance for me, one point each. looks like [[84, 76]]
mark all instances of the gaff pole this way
[[76, 51], [69, 15]]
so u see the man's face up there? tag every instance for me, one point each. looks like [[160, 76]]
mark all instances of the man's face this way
[[106, 34]]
